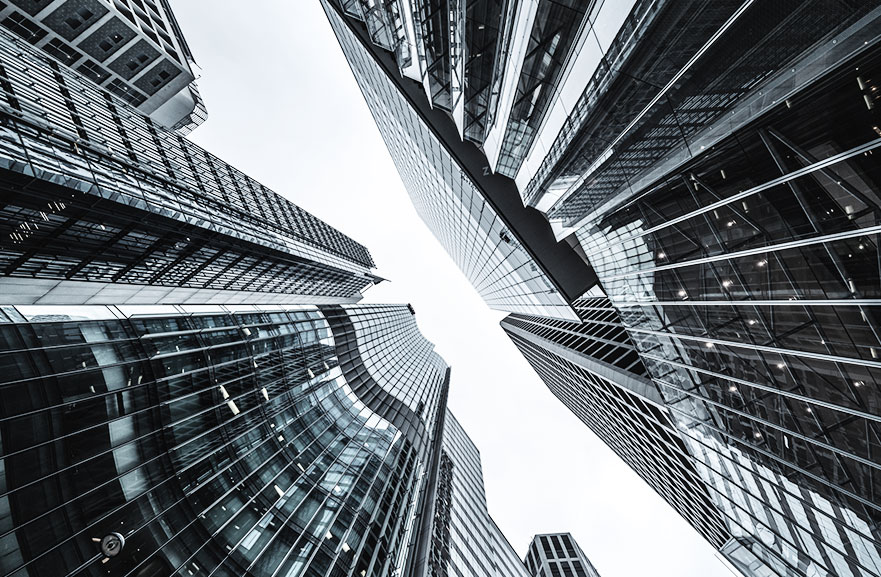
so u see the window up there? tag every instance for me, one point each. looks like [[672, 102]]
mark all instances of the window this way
[[60, 50], [80, 17], [93, 71], [20, 25]]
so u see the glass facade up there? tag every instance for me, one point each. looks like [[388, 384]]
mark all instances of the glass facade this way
[[748, 281], [555, 27], [713, 163], [134, 49], [650, 107], [727, 203], [156, 441], [465, 540], [447, 199], [558, 555], [592, 370], [99, 197]]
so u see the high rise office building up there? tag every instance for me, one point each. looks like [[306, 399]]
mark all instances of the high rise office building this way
[[592, 368], [151, 441], [507, 252], [134, 49], [188, 388], [464, 538], [101, 205], [558, 555], [174, 402], [710, 165]]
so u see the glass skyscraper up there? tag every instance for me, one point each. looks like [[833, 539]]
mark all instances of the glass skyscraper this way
[[101, 205], [471, 211], [594, 370], [710, 167], [465, 539], [134, 49], [187, 385], [153, 441]]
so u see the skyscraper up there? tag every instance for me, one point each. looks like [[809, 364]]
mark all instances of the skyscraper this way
[[558, 555], [100, 205], [710, 167], [594, 370], [188, 387], [134, 49], [174, 402], [464, 538], [154, 441], [507, 252]]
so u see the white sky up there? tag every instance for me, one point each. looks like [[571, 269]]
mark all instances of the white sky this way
[[284, 108]]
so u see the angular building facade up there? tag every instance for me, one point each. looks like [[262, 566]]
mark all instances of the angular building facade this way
[[134, 49], [187, 386], [558, 555], [593, 369], [507, 252], [711, 168], [465, 541], [100, 205]]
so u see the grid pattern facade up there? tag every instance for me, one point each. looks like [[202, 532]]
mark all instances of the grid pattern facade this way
[[474, 235], [94, 191], [600, 334], [639, 431], [467, 541], [558, 555], [470, 545], [747, 277], [213, 441], [131, 48], [398, 357], [696, 62]]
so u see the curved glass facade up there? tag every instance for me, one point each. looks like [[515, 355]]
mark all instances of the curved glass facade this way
[[212, 441]]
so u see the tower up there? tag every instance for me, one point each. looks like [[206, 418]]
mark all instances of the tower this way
[[719, 194]]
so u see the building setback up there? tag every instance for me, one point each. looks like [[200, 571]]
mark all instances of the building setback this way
[[507, 252], [711, 168]]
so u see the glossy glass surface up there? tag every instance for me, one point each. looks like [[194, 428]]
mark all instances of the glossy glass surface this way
[[492, 258], [749, 282], [63, 130], [214, 442]]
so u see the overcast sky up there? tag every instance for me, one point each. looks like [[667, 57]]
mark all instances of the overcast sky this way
[[284, 108]]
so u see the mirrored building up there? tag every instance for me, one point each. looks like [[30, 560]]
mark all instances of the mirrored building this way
[[464, 538], [506, 251], [711, 168], [173, 400], [154, 441], [592, 368], [101, 205]]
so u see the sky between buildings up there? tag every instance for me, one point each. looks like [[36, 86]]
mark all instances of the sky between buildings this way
[[284, 108]]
